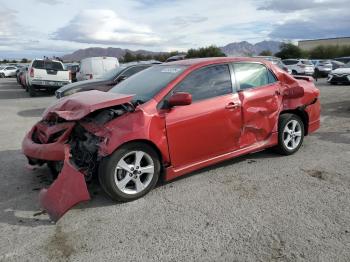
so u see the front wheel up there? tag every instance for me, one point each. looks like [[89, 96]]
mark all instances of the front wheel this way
[[2, 75], [130, 172], [290, 134]]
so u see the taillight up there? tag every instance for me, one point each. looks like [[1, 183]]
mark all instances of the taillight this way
[[31, 72]]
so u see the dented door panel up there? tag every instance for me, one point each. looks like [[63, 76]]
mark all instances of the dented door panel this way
[[261, 107]]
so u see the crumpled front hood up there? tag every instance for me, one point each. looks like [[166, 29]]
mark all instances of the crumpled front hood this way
[[79, 105]]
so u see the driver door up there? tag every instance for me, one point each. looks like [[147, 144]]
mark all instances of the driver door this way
[[211, 125]]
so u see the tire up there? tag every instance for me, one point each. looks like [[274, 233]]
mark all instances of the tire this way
[[122, 185], [294, 72], [32, 91], [285, 126], [2, 75]]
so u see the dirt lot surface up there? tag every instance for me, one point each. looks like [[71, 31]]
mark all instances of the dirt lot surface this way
[[261, 207]]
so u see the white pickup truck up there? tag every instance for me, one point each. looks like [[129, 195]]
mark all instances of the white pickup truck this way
[[47, 74]]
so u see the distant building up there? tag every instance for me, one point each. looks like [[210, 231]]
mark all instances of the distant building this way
[[310, 44]]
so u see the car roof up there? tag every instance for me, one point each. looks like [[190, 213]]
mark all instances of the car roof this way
[[213, 60]]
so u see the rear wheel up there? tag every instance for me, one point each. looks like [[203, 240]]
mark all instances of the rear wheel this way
[[130, 172], [32, 91], [2, 75], [290, 134]]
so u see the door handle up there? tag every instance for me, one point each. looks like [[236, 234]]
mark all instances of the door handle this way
[[232, 105]]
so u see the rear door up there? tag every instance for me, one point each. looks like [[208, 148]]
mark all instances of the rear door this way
[[261, 101], [211, 125]]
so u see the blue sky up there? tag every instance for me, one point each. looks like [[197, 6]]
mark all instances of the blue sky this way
[[31, 28]]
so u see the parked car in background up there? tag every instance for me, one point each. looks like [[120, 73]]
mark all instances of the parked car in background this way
[[340, 75], [275, 60], [336, 64], [20, 73], [73, 68], [322, 67], [104, 82], [300, 66], [8, 71], [169, 120], [281, 65], [93, 67], [345, 59], [46, 74], [175, 58]]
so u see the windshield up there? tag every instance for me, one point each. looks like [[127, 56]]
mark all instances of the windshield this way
[[111, 74], [146, 84]]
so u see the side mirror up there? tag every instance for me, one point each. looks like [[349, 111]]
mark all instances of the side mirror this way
[[180, 99]]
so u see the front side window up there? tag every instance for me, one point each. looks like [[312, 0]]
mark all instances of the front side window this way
[[250, 75], [207, 82]]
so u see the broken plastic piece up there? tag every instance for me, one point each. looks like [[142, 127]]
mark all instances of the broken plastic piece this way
[[67, 190]]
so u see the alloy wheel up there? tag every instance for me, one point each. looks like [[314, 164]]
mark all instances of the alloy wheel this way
[[292, 134], [134, 172]]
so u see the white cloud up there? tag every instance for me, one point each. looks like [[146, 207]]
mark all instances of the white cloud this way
[[50, 2], [105, 27]]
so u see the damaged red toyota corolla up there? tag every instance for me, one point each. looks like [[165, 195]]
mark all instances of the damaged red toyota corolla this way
[[168, 120]]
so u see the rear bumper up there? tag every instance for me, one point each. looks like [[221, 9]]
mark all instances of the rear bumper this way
[[314, 113], [314, 126], [49, 84]]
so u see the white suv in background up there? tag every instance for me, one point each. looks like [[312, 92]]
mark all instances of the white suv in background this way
[[300, 66], [47, 74], [7, 71]]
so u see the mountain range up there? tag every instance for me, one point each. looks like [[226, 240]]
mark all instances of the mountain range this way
[[243, 48]]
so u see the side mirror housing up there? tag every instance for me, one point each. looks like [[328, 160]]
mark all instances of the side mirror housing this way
[[180, 99]]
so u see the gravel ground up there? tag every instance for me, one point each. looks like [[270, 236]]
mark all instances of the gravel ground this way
[[261, 207]]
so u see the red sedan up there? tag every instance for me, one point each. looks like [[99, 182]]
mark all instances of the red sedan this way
[[169, 120]]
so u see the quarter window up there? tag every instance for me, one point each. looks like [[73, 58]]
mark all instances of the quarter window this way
[[250, 75], [207, 82]]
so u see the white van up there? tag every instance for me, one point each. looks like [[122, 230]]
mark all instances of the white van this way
[[93, 67]]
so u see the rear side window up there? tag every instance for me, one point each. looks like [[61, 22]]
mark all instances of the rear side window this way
[[207, 82], [250, 75], [51, 65]]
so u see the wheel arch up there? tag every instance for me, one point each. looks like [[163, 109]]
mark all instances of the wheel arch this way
[[147, 142], [302, 114]]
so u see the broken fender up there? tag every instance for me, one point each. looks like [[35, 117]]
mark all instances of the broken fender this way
[[66, 191]]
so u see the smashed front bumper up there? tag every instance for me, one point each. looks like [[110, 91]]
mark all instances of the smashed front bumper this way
[[66, 191], [45, 142]]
